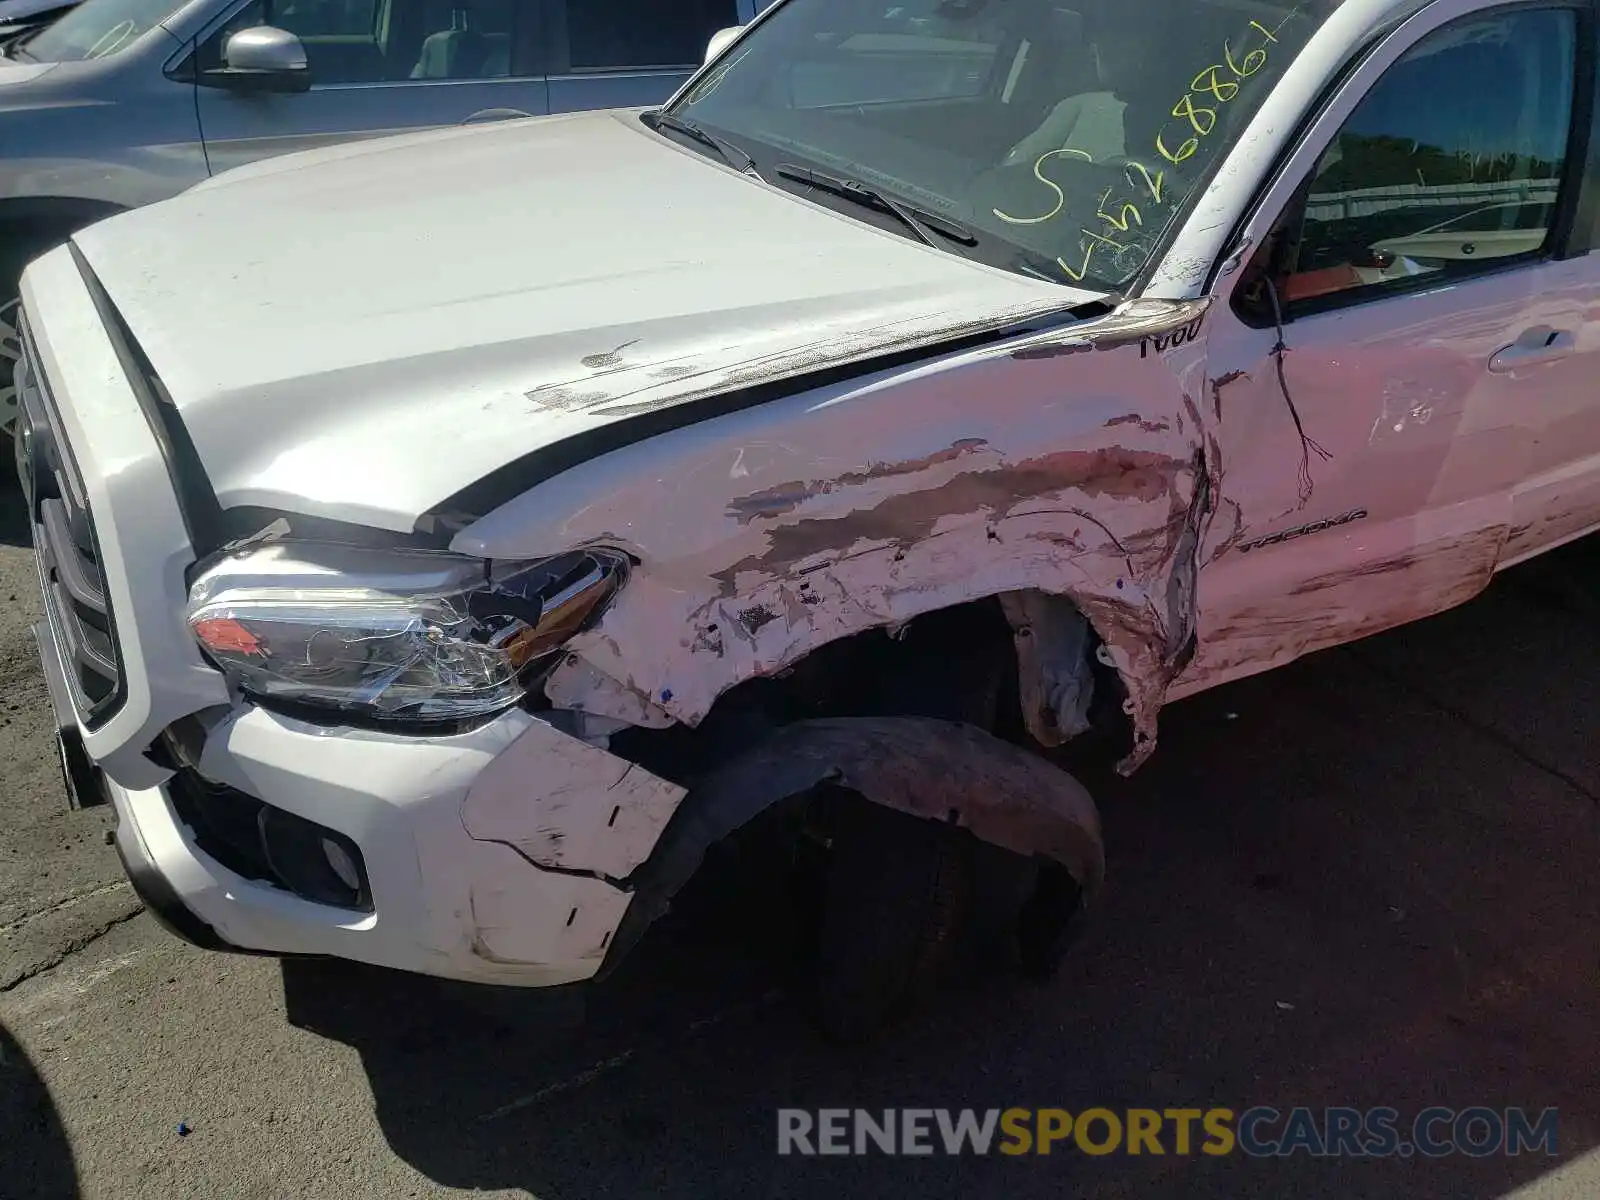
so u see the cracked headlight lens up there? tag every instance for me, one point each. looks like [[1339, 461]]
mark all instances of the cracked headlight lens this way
[[396, 634]]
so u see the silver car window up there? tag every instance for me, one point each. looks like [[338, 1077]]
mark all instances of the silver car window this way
[[97, 29]]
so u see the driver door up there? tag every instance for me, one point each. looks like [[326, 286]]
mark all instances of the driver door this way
[[378, 67], [1371, 468]]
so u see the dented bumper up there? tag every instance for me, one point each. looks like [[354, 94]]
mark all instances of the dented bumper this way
[[493, 856]]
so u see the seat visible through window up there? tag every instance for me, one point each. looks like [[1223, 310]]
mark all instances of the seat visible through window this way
[[475, 45]]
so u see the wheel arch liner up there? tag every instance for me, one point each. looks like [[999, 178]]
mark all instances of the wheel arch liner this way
[[936, 770]]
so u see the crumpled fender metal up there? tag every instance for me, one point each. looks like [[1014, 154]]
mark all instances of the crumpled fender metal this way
[[1076, 463], [938, 770]]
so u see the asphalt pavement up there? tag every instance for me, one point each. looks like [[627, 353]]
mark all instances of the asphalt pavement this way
[[1365, 880]]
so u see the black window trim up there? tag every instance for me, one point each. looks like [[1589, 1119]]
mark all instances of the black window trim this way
[[616, 72], [1578, 186], [1583, 230]]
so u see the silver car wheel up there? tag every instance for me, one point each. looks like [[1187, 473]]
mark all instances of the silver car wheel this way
[[10, 353]]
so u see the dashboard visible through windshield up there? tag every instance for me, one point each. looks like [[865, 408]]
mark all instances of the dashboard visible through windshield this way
[[1061, 136], [97, 29]]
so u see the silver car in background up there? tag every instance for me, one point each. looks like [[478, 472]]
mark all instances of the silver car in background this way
[[19, 18], [124, 102]]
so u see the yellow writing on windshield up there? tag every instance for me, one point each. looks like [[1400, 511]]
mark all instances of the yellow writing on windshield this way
[[1198, 108], [1120, 222], [1210, 82], [1038, 173], [1129, 212], [1151, 185]]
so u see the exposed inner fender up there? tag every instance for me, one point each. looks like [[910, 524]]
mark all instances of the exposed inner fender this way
[[938, 770]]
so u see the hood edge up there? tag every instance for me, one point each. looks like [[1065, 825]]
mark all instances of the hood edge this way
[[477, 500]]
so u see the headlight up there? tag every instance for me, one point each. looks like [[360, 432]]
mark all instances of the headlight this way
[[404, 635]]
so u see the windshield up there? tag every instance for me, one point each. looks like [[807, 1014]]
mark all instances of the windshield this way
[[1063, 136], [96, 28]]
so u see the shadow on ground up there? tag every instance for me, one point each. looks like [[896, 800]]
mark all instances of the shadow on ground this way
[[1364, 880], [15, 529], [35, 1157]]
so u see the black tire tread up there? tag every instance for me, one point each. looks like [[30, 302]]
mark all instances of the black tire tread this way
[[894, 906]]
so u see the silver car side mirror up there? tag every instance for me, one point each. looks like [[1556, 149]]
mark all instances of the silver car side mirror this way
[[721, 40], [262, 59]]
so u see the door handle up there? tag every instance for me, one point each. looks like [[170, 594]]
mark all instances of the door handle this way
[[1541, 344]]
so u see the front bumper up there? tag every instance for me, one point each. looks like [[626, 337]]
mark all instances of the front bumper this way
[[445, 902], [472, 846], [498, 855], [160, 899]]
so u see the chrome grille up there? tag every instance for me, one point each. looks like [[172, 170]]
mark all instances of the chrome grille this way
[[70, 571]]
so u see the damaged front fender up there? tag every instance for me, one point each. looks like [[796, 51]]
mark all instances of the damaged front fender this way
[[1076, 464]]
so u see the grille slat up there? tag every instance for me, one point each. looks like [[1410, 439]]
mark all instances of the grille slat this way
[[80, 643], [70, 574], [70, 569]]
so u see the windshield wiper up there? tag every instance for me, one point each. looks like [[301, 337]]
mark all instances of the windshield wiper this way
[[914, 219], [731, 154]]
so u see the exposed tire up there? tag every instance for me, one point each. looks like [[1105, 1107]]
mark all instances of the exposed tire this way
[[10, 352], [895, 905], [23, 238], [1048, 923]]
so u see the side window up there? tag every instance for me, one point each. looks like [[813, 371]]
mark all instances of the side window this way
[[384, 41], [460, 39], [1449, 166], [624, 35], [327, 18]]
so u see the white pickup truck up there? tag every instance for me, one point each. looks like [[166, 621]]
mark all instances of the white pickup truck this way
[[447, 539]]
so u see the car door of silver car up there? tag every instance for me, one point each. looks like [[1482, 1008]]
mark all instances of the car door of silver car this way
[[622, 53], [377, 67]]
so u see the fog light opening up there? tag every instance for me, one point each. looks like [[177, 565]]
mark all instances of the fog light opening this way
[[341, 862], [312, 861]]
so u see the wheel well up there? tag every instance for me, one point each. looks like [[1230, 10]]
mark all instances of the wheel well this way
[[958, 664], [776, 809], [30, 227]]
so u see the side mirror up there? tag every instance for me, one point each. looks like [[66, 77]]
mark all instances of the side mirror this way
[[721, 40], [262, 59]]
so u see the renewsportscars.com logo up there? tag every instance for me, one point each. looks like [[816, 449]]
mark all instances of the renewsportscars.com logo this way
[[1258, 1132]]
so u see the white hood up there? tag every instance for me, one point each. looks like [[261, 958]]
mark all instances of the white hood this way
[[361, 332]]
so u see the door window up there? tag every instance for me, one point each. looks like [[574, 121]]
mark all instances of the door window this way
[[385, 41], [1451, 165], [619, 35]]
